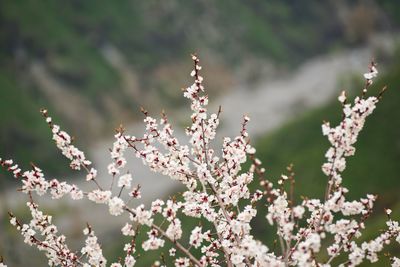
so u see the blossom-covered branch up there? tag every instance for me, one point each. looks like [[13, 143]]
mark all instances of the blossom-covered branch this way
[[217, 193]]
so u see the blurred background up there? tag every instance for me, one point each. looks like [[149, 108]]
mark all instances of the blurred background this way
[[92, 64]]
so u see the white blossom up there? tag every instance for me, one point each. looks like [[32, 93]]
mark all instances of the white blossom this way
[[99, 196], [125, 180], [116, 206]]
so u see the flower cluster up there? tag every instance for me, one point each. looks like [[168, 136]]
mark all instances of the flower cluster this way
[[313, 232], [92, 249], [64, 142], [40, 232]]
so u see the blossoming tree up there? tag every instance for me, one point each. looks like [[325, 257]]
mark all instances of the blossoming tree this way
[[216, 191]]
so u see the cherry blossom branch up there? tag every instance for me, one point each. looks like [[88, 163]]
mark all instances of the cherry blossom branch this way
[[217, 190], [174, 242]]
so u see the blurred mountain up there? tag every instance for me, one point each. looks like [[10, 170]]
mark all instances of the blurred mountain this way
[[93, 63]]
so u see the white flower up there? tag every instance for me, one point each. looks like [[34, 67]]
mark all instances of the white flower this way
[[298, 211], [112, 169], [93, 251], [182, 262], [130, 261], [196, 237], [172, 252], [99, 196], [237, 259], [91, 175], [174, 230], [153, 243], [116, 206], [369, 75], [142, 216], [13, 221], [128, 230], [326, 128], [342, 98], [156, 206], [75, 193], [86, 231], [125, 180], [395, 262]]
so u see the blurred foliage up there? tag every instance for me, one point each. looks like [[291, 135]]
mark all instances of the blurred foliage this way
[[393, 9]]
